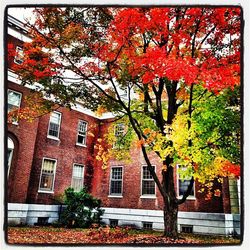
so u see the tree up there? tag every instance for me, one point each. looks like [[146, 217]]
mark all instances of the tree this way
[[166, 59]]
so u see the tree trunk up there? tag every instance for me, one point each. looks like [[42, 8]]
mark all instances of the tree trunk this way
[[170, 220], [170, 209]]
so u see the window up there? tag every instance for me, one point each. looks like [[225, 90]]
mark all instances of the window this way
[[14, 100], [116, 181], [183, 184], [77, 177], [113, 222], [119, 132], [147, 225], [82, 133], [186, 229], [19, 55], [54, 125], [42, 221], [10, 152], [148, 184], [47, 175]]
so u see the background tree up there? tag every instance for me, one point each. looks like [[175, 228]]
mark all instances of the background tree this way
[[166, 59]]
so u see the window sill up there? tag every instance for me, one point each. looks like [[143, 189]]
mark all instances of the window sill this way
[[47, 192], [13, 123], [148, 196], [192, 198], [53, 138], [81, 145], [115, 196]]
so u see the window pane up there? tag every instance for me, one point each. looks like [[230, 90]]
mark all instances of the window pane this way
[[82, 128], [116, 187], [14, 100], [184, 183], [148, 187], [46, 182], [116, 181], [81, 139], [55, 118], [53, 129], [19, 55], [116, 173], [54, 124], [10, 152], [77, 177], [78, 171], [183, 186], [47, 175], [146, 173], [148, 184], [77, 184], [48, 166]]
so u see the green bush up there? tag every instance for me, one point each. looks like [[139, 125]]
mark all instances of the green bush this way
[[81, 210]]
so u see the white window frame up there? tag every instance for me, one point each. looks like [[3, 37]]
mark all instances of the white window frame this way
[[78, 143], [19, 50], [59, 128], [20, 101], [190, 197], [118, 195], [78, 164], [149, 196], [54, 176]]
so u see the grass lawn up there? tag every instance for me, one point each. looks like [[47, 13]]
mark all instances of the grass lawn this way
[[106, 235]]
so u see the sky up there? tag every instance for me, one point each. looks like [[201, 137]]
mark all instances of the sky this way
[[21, 13]]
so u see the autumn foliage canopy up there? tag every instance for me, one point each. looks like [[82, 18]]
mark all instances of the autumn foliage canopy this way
[[175, 61]]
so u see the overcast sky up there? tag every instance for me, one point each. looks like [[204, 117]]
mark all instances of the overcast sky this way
[[21, 13]]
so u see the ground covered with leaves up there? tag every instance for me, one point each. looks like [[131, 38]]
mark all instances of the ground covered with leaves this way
[[104, 235]]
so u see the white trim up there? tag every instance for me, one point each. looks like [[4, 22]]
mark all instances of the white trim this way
[[53, 138], [115, 196], [86, 131], [149, 196], [54, 177], [83, 173], [190, 197], [18, 35], [81, 145], [118, 195], [59, 128]]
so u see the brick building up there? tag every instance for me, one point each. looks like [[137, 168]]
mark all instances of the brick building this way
[[55, 151]]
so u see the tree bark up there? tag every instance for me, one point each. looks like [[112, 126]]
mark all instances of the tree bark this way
[[170, 219], [170, 209]]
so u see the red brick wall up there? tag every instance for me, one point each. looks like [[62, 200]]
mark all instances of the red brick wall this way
[[132, 187], [65, 151], [13, 42], [34, 146], [24, 136]]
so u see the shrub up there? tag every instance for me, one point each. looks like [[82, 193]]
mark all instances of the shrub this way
[[81, 210]]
